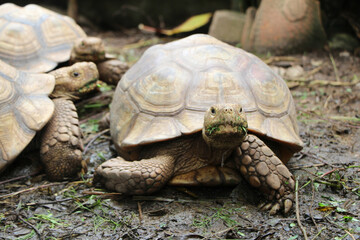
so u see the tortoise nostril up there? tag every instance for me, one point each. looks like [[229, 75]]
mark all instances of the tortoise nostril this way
[[228, 110]]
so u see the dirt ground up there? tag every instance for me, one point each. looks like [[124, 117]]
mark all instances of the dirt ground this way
[[326, 90]]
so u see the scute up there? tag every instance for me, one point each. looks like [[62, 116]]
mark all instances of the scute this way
[[24, 109], [199, 71], [35, 39]]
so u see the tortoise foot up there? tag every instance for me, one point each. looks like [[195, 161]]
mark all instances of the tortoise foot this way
[[135, 178], [263, 170], [61, 144], [111, 71]]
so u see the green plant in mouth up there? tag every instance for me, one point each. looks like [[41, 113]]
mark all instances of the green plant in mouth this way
[[211, 129], [244, 129]]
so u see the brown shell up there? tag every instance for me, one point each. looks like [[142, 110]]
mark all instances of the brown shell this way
[[35, 39], [24, 109], [166, 93]]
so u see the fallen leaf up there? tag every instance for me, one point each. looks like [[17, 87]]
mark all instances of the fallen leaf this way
[[190, 24]]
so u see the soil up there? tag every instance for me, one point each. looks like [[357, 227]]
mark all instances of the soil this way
[[327, 97]]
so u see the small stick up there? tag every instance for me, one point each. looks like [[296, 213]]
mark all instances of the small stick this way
[[32, 226], [297, 210], [327, 173], [30, 189], [307, 166], [311, 204], [94, 138], [140, 212], [18, 178], [318, 159], [352, 236], [318, 233], [335, 68], [100, 193], [49, 202]]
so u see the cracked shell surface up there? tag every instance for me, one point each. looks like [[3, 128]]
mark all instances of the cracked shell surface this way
[[166, 93], [25, 108], [35, 39]]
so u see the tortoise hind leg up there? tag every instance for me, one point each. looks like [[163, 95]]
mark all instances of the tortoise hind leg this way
[[264, 170], [135, 177], [61, 144]]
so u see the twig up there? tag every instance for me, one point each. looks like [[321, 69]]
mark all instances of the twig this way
[[140, 212], [101, 193], [32, 226], [311, 204], [94, 138], [18, 178], [297, 210], [329, 172], [312, 72], [352, 236], [307, 166], [318, 233], [49, 202], [339, 226], [334, 66], [318, 159], [161, 199], [30, 189], [280, 58], [251, 228]]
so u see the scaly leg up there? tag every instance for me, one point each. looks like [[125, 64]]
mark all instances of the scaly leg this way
[[263, 170], [61, 144], [135, 177]]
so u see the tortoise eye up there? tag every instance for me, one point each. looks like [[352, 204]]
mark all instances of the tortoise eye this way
[[75, 74], [213, 111], [240, 110]]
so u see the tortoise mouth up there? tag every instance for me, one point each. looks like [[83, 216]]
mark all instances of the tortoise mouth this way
[[89, 86], [227, 129], [225, 135]]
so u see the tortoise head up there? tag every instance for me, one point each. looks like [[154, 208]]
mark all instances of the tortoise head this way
[[88, 49], [225, 125], [77, 79]]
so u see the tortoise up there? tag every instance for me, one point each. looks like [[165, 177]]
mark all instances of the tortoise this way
[[26, 109], [193, 107], [36, 39], [93, 49]]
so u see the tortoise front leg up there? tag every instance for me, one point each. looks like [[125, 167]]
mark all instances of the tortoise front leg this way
[[135, 177], [61, 145], [264, 170]]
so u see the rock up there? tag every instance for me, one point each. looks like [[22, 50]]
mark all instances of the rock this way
[[294, 72], [227, 26]]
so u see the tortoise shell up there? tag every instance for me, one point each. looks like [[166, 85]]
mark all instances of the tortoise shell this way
[[24, 109], [35, 39], [166, 93]]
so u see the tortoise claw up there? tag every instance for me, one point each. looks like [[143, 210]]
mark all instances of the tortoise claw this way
[[275, 209], [287, 205]]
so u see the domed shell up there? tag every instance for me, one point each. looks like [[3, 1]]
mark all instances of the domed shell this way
[[24, 109], [166, 93], [35, 39]]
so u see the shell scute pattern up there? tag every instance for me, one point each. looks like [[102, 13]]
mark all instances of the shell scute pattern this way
[[35, 39], [199, 71], [24, 109]]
